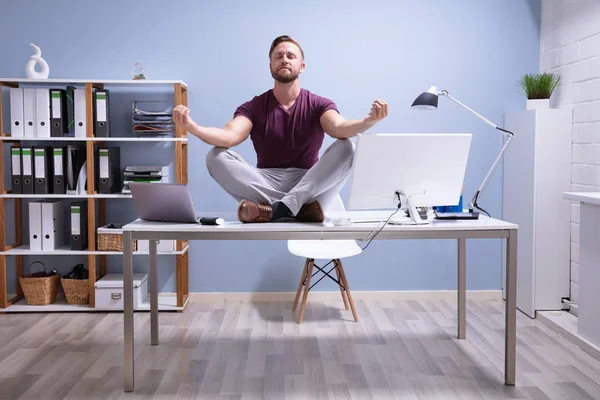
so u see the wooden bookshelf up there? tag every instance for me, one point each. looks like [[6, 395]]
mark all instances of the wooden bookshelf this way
[[96, 259]]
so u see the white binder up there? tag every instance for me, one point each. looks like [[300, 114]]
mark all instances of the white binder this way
[[16, 112], [29, 113], [80, 113], [52, 224], [42, 107], [35, 225]]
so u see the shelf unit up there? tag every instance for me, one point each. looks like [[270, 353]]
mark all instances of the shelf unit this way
[[94, 139], [18, 250], [66, 251], [65, 196], [166, 302]]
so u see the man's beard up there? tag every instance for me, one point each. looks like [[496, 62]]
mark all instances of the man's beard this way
[[284, 78]]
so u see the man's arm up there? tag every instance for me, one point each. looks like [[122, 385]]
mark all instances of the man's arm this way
[[233, 133], [338, 127]]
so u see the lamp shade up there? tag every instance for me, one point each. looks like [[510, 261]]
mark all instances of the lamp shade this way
[[427, 100]]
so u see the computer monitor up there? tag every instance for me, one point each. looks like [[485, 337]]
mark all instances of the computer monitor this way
[[426, 169]]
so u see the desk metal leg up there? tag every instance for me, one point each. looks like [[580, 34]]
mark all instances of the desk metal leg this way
[[462, 288], [152, 281], [128, 311], [510, 339]]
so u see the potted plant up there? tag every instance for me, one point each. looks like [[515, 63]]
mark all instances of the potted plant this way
[[538, 88]]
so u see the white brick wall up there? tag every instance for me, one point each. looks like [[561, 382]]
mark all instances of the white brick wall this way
[[570, 46]]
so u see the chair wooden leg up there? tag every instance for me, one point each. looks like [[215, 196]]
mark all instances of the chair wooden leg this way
[[311, 264], [342, 286], [348, 293], [302, 278]]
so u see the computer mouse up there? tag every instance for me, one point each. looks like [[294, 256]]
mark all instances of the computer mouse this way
[[342, 221]]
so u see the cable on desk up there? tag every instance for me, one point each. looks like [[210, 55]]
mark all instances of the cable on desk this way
[[475, 205], [384, 224]]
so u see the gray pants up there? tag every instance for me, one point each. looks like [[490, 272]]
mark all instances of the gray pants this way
[[292, 186]]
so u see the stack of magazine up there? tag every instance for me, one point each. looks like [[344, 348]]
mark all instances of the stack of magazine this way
[[152, 118]]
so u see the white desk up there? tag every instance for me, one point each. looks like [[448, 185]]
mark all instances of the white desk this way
[[234, 230], [588, 317]]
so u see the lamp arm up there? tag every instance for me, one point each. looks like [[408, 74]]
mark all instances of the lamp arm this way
[[487, 121], [509, 137]]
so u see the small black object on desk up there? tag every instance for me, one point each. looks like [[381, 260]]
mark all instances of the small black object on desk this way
[[212, 221], [456, 215]]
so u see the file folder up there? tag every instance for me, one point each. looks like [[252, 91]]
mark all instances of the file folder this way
[[101, 113], [109, 170], [80, 113], [16, 167], [16, 112], [58, 107], [29, 113], [70, 96], [59, 183], [53, 221], [76, 156], [35, 225], [28, 167], [42, 108], [79, 233], [42, 170]]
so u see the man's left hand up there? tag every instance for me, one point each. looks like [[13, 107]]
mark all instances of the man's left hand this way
[[379, 111]]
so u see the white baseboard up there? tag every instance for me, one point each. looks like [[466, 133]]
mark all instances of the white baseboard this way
[[450, 295]]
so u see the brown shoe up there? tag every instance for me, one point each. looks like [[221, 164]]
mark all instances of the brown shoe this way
[[311, 212], [252, 212]]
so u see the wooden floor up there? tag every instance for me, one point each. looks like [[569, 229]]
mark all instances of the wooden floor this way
[[398, 349]]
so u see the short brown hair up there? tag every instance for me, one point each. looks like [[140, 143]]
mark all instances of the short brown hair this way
[[281, 39]]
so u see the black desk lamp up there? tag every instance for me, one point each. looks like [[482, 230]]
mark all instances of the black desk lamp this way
[[428, 101]]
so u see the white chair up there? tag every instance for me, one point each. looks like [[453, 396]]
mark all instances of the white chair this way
[[333, 250]]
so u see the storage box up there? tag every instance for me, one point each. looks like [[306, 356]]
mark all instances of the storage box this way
[[162, 246], [110, 238], [109, 291]]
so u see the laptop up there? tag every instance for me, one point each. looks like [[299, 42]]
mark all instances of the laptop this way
[[164, 202]]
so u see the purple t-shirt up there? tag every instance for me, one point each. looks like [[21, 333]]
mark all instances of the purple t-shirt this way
[[286, 138]]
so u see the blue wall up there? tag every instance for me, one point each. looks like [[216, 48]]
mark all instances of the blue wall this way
[[355, 52]]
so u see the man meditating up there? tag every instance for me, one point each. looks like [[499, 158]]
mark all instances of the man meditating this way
[[286, 125]]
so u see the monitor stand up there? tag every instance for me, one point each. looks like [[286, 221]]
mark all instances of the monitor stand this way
[[414, 218]]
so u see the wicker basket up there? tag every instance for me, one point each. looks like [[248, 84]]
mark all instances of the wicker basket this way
[[110, 238], [77, 291], [42, 290]]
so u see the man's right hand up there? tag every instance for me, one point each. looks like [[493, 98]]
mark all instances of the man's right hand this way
[[181, 116]]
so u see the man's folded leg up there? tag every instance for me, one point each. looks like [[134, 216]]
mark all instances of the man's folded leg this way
[[256, 189], [321, 183]]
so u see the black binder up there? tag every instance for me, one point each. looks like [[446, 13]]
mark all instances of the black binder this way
[[59, 181], [70, 95], [43, 170], [28, 169], [58, 113], [101, 113], [108, 162], [79, 229], [16, 169]]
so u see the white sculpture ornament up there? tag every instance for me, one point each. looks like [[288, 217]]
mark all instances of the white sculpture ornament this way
[[34, 59]]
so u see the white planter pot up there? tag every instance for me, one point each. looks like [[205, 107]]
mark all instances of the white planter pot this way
[[538, 104]]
